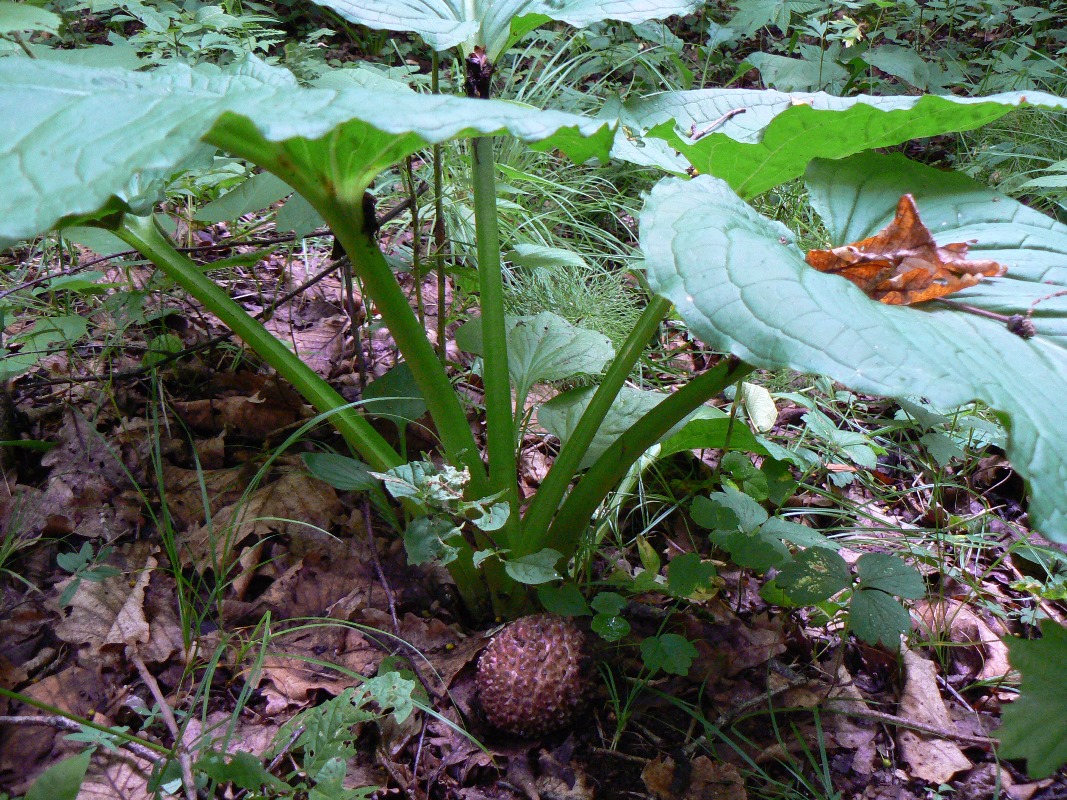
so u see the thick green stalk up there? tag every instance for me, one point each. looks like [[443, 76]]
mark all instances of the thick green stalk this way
[[573, 519], [144, 235], [499, 417], [546, 502], [342, 208], [410, 338]]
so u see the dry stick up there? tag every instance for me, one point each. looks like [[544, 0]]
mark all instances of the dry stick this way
[[390, 598], [695, 134], [64, 724], [184, 761]]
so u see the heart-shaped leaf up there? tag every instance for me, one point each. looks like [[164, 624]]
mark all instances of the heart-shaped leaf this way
[[742, 286], [53, 165], [755, 140], [490, 23], [542, 348]]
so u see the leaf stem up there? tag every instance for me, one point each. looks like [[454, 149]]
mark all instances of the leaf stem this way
[[546, 502], [573, 518], [499, 416], [143, 234]]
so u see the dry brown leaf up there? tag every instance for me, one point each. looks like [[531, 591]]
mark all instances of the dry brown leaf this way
[[286, 507], [318, 340], [845, 728], [980, 653], [116, 775], [701, 779], [931, 759], [292, 671], [902, 264], [107, 614]]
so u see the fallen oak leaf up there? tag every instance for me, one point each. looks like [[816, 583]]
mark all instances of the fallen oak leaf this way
[[902, 264]]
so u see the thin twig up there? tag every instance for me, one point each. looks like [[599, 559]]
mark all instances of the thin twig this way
[[390, 598], [184, 760], [64, 724], [695, 134]]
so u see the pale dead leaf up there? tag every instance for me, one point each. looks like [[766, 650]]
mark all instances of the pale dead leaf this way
[[294, 674], [286, 507], [851, 732], [980, 653], [117, 775], [109, 612], [318, 342], [931, 759]]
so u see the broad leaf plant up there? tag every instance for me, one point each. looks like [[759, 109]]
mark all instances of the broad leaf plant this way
[[95, 146]]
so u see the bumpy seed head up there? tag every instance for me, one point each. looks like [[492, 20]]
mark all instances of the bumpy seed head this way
[[534, 675]]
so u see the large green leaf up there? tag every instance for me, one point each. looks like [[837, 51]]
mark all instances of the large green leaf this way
[[489, 23], [773, 135], [1035, 725], [743, 286], [55, 164]]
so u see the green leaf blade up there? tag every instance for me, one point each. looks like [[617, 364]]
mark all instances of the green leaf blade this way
[[772, 135], [147, 125], [742, 286], [1035, 725]]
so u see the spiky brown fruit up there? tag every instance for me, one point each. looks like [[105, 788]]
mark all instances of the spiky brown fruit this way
[[534, 675]]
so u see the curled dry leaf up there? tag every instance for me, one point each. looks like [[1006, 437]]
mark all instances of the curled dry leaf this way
[[902, 264], [931, 759]]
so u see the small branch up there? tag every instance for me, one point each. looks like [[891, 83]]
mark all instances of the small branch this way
[[696, 135], [184, 761], [64, 724], [1019, 324]]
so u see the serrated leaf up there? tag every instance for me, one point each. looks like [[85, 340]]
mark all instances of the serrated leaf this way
[[242, 769], [395, 396], [790, 74], [447, 23], [742, 286], [609, 627], [426, 539], [749, 514], [53, 165], [752, 549], [875, 617], [1034, 727], [778, 133], [560, 415], [890, 574], [535, 568], [565, 600], [608, 603], [797, 534], [670, 652], [814, 575]]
